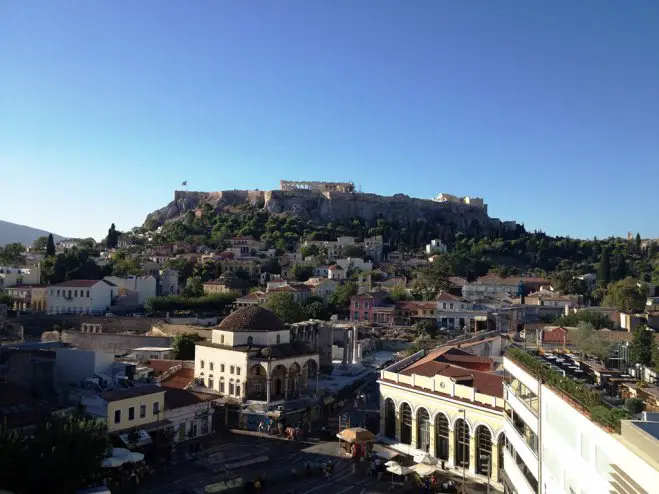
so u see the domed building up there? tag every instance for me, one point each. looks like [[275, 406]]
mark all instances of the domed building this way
[[252, 356]]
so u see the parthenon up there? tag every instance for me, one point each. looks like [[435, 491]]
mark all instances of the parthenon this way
[[317, 186]]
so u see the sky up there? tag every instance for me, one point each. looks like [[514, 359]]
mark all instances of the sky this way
[[548, 110]]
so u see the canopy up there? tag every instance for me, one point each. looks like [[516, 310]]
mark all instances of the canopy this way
[[112, 462], [424, 458], [399, 470], [356, 435], [423, 469], [133, 457]]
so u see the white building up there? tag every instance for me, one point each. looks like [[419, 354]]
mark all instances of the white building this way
[[144, 286], [336, 273], [553, 447], [73, 366], [351, 263], [436, 245], [81, 297], [251, 356], [145, 353], [168, 282], [25, 275]]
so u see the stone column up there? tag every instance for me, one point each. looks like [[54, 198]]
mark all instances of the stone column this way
[[296, 384], [433, 439], [494, 465], [286, 385], [268, 386], [305, 377], [414, 439], [473, 458], [344, 359], [398, 426], [355, 345], [451, 447]]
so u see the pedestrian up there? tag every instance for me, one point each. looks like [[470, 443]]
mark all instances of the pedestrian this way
[[261, 426], [257, 485]]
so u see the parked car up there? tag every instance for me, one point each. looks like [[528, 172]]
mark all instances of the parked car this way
[[109, 314]]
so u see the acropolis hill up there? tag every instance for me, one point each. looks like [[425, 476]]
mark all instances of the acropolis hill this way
[[324, 202]]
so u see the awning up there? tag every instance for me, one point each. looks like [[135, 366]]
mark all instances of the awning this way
[[143, 438]]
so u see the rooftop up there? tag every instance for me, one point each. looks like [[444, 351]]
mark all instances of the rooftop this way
[[178, 398], [125, 394], [82, 283], [250, 319]]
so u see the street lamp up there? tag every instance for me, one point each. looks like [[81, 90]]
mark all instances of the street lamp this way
[[464, 446]]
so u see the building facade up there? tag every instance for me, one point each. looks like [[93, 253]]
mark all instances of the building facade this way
[[453, 413], [81, 297]]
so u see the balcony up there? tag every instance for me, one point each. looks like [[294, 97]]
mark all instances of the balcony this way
[[515, 474], [520, 407], [525, 448]]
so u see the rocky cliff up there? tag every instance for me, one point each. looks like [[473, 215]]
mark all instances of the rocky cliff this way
[[333, 206]]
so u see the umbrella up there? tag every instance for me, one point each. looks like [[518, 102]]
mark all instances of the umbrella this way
[[399, 470], [112, 462], [391, 463], [356, 435], [133, 457], [119, 452], [423, 469], [424, 458]]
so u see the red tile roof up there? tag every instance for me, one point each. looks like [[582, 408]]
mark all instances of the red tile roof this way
[[556, 335], [447, 354], [81, 283], [179, 380], [178, 398], [163, 365], [484, 382], [443, 296], [415, 305]]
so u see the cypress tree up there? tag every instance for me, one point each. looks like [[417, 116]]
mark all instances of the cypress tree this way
[[604, 268], [50, 246]]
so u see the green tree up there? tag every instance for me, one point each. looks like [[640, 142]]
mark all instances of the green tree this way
[[127, 267], [628, 295], [284, 306], [655, 354], [589, 341], [596, 319], [193, 287], [314, 308], [398, 293], [309, 250], [619, 270], [40, 243], [183, 346], [112, 239], [7, 300], [340, 298], [12, 254], [353, 251], [638, 242], [430, 281], [604, 267], [271, 266], [640, 349], [50, 245], [302, 272], [427, 327], [65, 453]]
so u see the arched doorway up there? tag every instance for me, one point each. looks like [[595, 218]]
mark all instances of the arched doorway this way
[[309, 373], [423, 430], [293, 380], [390, 418], [405, 424], [278, 382], [442, 432], [483, 450], [462, 436]]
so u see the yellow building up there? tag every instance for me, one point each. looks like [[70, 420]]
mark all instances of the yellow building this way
[[446, 403], [141, 407]]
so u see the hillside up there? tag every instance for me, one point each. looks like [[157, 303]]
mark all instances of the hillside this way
[[12, 232], [335, 207]]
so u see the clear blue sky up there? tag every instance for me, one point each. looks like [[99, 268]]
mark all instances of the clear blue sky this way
[[550, 110]]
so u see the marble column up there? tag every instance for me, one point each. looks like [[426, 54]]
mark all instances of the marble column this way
[[398, 425], [268, 386], [415, 434], [473, 458], [451, 447], [432, 451], [494, 465]]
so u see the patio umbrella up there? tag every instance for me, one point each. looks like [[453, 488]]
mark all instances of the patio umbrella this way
[[425, 459], [133, 457], [112, 462], [398, 470], [356, 435], [423, 469], [119, 452]]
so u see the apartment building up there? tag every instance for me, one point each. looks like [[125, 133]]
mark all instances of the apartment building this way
[[24, 275], [80, 297], [555, 443]]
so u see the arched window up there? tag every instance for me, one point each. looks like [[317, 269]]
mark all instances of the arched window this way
[[201, 364], [405, 424], [390, 418], [278, 339], [441, 436], [221, 367], [423, 430], [250, 340], [231, 387], [210, 381], [483, 450], [462, 436], [222, 384], [222, 339], [237, 388]]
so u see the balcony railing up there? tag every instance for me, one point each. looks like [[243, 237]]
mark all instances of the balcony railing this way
[[529, 441]]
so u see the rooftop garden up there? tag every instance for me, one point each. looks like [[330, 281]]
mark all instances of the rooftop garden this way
[[588, 401]]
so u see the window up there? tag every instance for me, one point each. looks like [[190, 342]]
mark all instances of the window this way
[[222, 339], [231, 369], [221, 385], [237, 371], [278, 339], [444, 305], [257, 387], [231, 387], [365, 316], [210, 365], [250, 340], [365, 305], [69, 293], [156, 408], [356, 304], [142, 411], [201, 364], [75, 293], [117, 416], [210, 382], [356, 317], [451, 306], [87, 293], [131, 413], [221, 367], [58, 292], [238, 388]]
